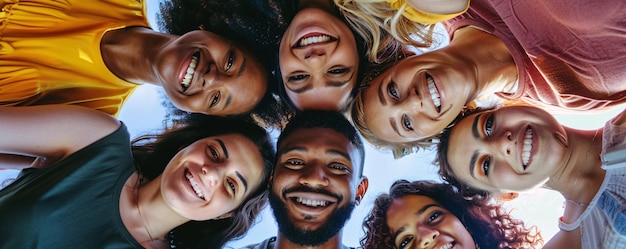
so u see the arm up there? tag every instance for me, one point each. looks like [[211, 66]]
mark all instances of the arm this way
[[51, 132], [565, 239]]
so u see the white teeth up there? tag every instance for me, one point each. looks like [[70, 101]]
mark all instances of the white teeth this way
[[446, 246], [314, 39], [191, 70], [528, 140], [313, 203], [434, 94], [194, 185]]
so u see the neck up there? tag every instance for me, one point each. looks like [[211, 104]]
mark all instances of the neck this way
[[129, 53], [582, 175], [332, 243], [494, 67], [144, 213]]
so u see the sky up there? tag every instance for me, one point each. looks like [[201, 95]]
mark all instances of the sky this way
[[143, 113]]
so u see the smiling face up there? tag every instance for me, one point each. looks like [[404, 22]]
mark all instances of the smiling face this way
[[417, 98], [212, 176], [315, 184], [513, 148], [205, 73], [418, 221], [318, 61]]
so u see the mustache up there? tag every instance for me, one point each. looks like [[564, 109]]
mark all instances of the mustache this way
[[311, 190]]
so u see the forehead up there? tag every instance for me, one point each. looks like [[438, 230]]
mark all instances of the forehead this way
[[312, 138], [406, 206], [243, 156]]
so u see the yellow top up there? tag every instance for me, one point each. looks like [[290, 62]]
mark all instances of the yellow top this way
[[418, 16], [50, 52]]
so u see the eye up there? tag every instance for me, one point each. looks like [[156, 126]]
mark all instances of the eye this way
[[434, 217], [486, 165], [339, 71], [392, 90], [213, 153], [298, 77], [294, 163], [229, 61], [340, 168], [488, 125], [405, 242], [215, 99], [231, 185], [406, 122]]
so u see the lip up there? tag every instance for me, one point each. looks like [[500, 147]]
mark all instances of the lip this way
[[422, 85], [310, 210], [308, 32], [440, 89], [188, 186], [533, 150], [185, 65]]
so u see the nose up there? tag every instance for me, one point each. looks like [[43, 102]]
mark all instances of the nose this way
[[428, 236], [314, 56], [211, 175], [506, 143], [314, 176], [212, 78]]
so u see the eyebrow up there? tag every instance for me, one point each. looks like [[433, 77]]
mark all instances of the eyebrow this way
[[476, 135], [243, 180], [394, 126], [419, 212], [243, 66], [223, 147], [338, 153], [289, 149], [228, 100], [331, 84], [381, 97]]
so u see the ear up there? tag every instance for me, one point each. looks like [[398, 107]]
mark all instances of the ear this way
[[224, 216], [361, 189], [269, 182]]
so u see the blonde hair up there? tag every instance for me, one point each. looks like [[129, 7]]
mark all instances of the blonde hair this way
[[375, 20], [357, 116]]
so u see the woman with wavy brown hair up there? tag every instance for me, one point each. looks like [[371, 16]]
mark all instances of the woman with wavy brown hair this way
[[424, 214]]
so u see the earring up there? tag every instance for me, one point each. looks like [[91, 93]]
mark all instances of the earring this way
[[358, 200]]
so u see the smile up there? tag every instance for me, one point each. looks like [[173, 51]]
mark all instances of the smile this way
[[312, 203], [447, 246], [314, 39], [194, 184], [434, 93], [528, 146], [191, 70]]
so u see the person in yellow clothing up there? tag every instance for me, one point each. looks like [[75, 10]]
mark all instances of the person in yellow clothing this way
[[95, 53]]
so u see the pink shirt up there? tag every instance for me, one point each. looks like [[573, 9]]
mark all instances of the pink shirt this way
[[569, 54]]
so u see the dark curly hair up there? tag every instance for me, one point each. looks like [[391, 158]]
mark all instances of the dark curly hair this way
[[490, 225], [255, 26], [152, 153]]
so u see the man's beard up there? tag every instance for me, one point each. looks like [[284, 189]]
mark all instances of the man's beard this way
[[304, 237]]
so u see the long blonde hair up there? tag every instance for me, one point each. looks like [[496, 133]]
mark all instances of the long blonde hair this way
[[376, 20]]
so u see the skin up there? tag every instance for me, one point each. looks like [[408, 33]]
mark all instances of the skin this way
[[498, 153], [226, 169], [420, 222], [439, 6], [473, 65], [227, 79], [320, 75], [319, 158]]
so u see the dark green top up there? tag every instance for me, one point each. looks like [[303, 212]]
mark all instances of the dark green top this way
[[73, 204]]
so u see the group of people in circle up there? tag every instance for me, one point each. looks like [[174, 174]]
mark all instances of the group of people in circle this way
[[325, 74]]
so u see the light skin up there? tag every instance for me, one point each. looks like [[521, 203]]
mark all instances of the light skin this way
[[400, 106], [318, 58], [165, 202], [417, 221], [226, 80], [563, 159], [318, 158], [439, 6]]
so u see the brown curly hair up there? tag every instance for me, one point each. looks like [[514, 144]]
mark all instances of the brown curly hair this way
[[490, 225]]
